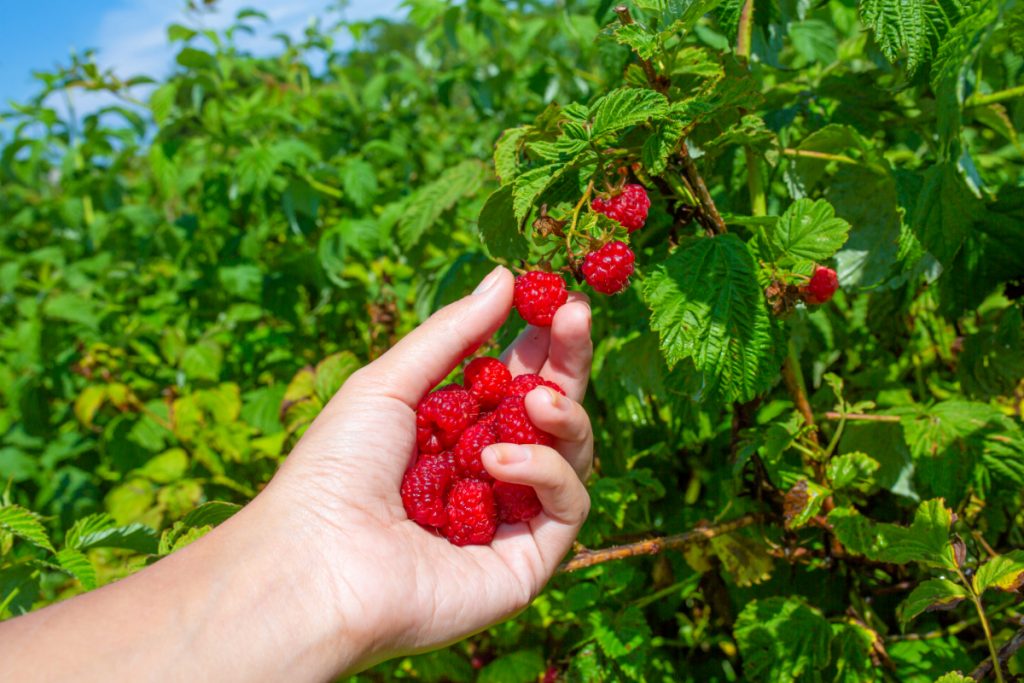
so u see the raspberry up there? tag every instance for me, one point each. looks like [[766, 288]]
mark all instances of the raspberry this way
[[514, 425], [629, 207], [472, 518], [608, 269], [516, 502], [537, 295], [488, 380], [467, 451], [822, 286], [442, 416], [523, 384], [424, 488]]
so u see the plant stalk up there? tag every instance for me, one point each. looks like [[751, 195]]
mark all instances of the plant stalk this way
[[978, 100]]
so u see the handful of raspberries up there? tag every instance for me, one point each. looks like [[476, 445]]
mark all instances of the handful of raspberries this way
[[447, 488]]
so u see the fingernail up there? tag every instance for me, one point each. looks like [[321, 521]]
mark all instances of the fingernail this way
[[554, 398], [488, 282], [511, 455]]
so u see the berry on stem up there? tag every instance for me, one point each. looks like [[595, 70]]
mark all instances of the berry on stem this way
[[629, 207], [537, 295], [472, 517], [608, 269], [821, 287], [488, 379]]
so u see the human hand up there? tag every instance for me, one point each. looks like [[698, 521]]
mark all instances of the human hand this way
[[398, 587]]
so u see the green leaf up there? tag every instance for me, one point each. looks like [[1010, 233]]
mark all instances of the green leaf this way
[[944, 211], [211, 514], [802, 502], [76, 563], [524, 666], [926, 540], [529, 186], [622, 639], [101, 531], [852, 470], [1005, 572], [626, 107], [73, 309], [506, 153], [332, 372], [244, 281], [852, 648], [663, 143], [868, 257], [499, 227], [89, 402], [165, 468], [359, 180], [429, 202], [678, 15], [955, 677], [992, 361], [814, 40], [726, 329], [781, 639], [24, 524], [636, 37], [934, 594], [808, 230], [907, 27], [202, 361]]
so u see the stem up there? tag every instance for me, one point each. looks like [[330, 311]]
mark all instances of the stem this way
[[653, 546], [977, 100], [745, 30], [860, 417], [755, 185], [835, 438], [1005, 652], [707, 204], [575, 219], [976, 599], [794, 379], [652, 76], [811, 154]]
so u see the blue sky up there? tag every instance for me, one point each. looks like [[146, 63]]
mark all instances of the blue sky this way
[[128, 34]]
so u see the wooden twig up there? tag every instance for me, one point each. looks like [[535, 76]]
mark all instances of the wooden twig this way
[[707, 204], [861, 417], [1005, 652], [652, 546]]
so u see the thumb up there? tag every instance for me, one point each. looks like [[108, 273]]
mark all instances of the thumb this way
[[427, 354]]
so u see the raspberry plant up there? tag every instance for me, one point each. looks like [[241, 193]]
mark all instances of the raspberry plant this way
[[793, 481]]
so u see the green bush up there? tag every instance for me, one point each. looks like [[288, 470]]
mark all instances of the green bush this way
[[783, 492]]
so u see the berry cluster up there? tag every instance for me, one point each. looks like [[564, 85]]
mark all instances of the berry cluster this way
[[538, 294], [447, 488]]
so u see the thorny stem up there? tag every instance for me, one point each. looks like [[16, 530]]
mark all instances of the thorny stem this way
[[708, 208], [652, 546], [976, 599]]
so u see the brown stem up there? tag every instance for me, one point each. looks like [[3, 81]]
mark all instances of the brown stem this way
[[652, 76], [652, 546], [1005, 652], [799, 395], [860, 417], [707, 204]]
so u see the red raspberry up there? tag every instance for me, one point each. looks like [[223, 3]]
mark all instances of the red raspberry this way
[[537, 295], [467, 451], [472, 517], [488, 380], [516, 502], [514, 425], [523, 384], [608, 269], [442, 416], [424, 488], [822, 286], [629, 207]]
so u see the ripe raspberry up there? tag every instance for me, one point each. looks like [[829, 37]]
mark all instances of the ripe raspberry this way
[[467, 451], [537, 295], [521, 385], [424, 488], [488, 380], [629, 207], [822, 286], [472, 517], [442, 416], [514, 425], [515, 502], [608, 269]]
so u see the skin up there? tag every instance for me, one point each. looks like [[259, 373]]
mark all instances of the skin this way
[[322, 573]]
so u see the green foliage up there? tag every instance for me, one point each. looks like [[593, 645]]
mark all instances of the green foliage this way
[[188, 275]]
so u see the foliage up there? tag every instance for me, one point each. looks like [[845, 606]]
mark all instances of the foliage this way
[[186, 279]]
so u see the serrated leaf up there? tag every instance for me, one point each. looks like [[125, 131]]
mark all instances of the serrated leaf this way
[[529, 186], [517, 667], [955, 677], [802, 502], [944, 211], [745, 558], [499, 228], [907, 27], [332, 372], [934, 594], [562, 149], [626, 107], [359, 181], [725, 329], [100, 530], [622, 639], [926, 540], [781, 639], [852, 470], [506, 153], [24, 524], [1004, 572], [678, 15], [76, 563], [662, 144], [636, 37], [211, 514], [429, 202], [851, 649], [750, 131], [808, 231]]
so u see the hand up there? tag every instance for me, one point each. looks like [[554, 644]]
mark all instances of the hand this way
[[401, 588]]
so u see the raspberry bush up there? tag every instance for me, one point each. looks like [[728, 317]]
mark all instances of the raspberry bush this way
[[799, 226]]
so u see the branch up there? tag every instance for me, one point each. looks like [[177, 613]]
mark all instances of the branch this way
[[653, 546], [707, 204], [1005, 652], [978, 99]]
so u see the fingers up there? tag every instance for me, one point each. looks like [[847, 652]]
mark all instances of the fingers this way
[[427, 354], [561, 493], [568, 422]]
